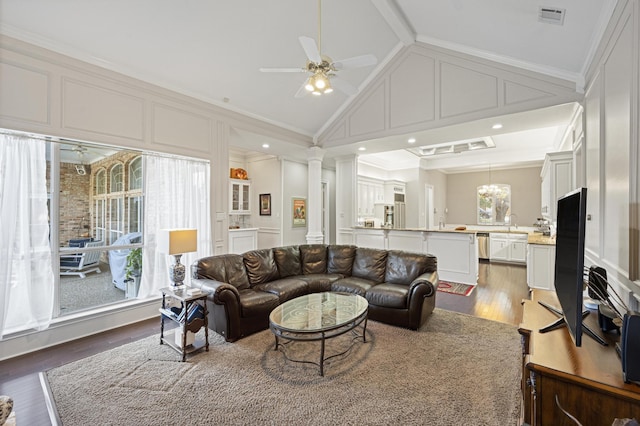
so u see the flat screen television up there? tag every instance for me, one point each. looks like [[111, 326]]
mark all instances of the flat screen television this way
[[569, 269]]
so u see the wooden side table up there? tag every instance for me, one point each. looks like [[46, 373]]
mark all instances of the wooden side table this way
[[196, 306], [585, 381]]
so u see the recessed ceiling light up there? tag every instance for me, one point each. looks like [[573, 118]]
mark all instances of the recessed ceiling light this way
[[362, 148], [265, 145], [497, 126], [412, 140]]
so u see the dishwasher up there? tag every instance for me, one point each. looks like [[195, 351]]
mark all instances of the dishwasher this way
[[483, 245]]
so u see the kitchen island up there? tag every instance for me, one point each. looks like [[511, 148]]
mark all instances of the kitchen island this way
[[457, 251]]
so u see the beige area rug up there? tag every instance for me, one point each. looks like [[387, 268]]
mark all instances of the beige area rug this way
[[456, 370]]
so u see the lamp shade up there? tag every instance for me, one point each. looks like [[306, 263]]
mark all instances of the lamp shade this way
[[177, 241]]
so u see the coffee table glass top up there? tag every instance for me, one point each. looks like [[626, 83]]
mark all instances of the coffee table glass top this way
[[317, 312]]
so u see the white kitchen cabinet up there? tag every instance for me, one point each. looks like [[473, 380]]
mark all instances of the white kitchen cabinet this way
[[541, 259], [393, 189], [239, 196], [243, 240], [557, 180], [370, 192], [518, 250], [499, 247], [508, 247]]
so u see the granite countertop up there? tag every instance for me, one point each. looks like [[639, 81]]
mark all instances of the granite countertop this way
[[538, 238], [447, 230], [532, 237]]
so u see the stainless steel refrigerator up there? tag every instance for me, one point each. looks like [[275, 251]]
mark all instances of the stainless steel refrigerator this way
[[398, 215]]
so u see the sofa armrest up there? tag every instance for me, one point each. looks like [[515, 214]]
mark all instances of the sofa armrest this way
[[426, 285], [220, 293]]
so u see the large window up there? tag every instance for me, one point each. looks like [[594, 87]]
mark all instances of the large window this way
[[87, 203], [100, 205], [494, 204]]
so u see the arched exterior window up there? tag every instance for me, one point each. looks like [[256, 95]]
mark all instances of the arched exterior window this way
[[116, 203], [116, 179], [100, 204], [134, 196], [100, 182], [135, 174], [494, 204]]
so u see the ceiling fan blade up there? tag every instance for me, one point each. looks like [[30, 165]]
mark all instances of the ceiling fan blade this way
[[283, 70], [343, 86], [310, 49], [355, 62]]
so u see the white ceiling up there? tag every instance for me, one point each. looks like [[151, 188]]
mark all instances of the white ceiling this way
[[212, 49]]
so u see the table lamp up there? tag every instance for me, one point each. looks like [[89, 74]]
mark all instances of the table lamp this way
[[176, 242]]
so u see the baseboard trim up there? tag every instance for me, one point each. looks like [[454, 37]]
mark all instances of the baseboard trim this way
[[48, 400]]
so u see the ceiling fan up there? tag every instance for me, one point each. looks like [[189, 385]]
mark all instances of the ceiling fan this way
[[322, 68]]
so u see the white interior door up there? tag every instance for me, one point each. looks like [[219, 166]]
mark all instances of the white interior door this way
[[429, 207]]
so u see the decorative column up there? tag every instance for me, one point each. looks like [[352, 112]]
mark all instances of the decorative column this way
[[314, 201]]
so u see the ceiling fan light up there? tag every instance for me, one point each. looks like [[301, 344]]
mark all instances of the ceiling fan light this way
[[309, 86], [316, 93], [328, 90], [320, 82]]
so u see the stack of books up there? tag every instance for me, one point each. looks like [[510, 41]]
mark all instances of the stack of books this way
[[195, 311]]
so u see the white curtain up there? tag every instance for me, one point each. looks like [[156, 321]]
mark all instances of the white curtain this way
[[176, 196], [26, 274]]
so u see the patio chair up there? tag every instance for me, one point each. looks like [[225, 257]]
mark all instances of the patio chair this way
[[81, 263]]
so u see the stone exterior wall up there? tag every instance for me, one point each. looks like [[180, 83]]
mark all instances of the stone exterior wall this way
[[75, 203]]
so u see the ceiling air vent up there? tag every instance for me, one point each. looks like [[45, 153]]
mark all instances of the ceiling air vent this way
[[551, 15]]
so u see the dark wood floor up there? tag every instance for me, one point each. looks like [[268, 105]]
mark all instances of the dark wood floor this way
[[498, 296]]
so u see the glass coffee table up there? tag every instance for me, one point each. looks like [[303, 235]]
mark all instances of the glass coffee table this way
[[318, 317]]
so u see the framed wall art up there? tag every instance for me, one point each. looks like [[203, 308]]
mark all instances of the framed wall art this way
[[265, 204], [299, 211]]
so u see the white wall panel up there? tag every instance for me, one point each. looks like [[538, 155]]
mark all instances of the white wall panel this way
[[464, 90], [346, 177], [407, 241], [370, 238], [592, 170], [370, 117], [429, 87], [98, 109], [617, 108], [176, 127], [412, 91], [25, 93], [515, 93], [268, 238]]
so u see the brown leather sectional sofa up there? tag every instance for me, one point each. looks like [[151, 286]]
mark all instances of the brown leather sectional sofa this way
[[243, 289]]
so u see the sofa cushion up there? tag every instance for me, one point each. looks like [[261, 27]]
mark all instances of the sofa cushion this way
[[314, 258], [287, 260], [404, 267], [340, 259], [370, 264], [388, 295], [226, 268], [320, 282], [353, 285], [285, 288], [257, 303], [261, 266]]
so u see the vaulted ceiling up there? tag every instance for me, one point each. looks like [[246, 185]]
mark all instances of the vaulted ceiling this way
[[213, 49]]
